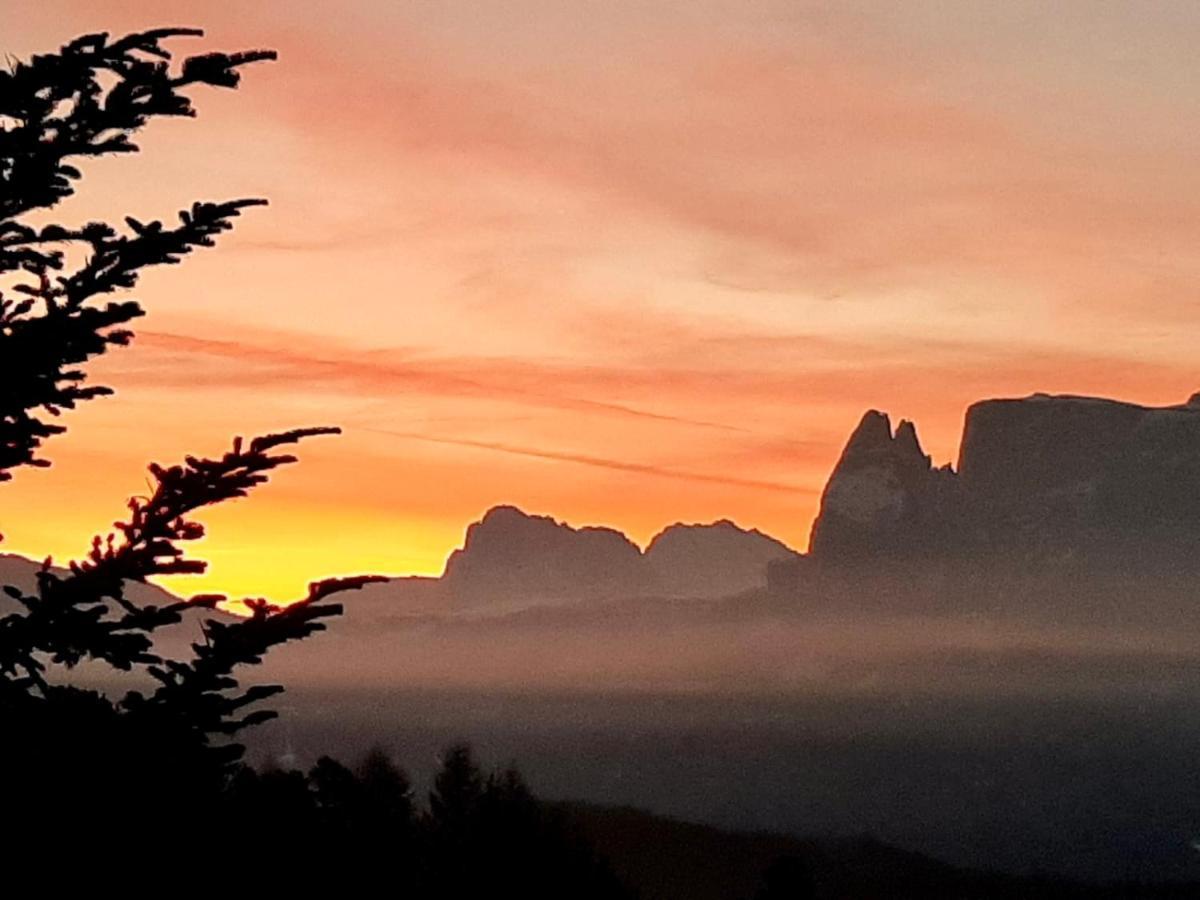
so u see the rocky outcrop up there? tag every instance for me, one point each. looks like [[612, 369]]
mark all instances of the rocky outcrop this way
[[1084, 475], [511, 557], [708, 561], [884, 496], [1043, 478]]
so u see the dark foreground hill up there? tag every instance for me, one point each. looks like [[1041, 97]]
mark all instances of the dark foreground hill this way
[[666, 859]]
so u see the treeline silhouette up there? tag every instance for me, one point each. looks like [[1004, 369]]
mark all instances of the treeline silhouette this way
[[479, 833], [69, 785]]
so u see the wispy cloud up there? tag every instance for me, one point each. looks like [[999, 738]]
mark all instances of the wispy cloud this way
[[374, 372], [598, 462]]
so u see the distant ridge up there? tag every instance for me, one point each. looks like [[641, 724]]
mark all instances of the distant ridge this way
[[1079, 484], [22, 573], [667, 858], [511, 556], [512, 559], [711, 561]]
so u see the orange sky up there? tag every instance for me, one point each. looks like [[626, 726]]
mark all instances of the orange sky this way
[[623, 263]]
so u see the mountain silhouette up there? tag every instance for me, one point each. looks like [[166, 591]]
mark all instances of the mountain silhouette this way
[[1056, 484], [710, 561], [1048, 479], [511, 557]]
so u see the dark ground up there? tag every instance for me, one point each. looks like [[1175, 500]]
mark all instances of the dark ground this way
[[1101, 790]]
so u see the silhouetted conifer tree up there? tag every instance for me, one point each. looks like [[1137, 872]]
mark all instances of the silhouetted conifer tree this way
[[64, 748], [153, 771], [488, 833], [386, 797], [336, 792]]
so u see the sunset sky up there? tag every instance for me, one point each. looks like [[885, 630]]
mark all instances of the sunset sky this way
[[624, 263]]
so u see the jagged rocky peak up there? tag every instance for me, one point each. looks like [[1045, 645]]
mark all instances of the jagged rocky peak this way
[[874, 431], [715, 560], [510, 556], [908, 445], [882, 483], [873, 442]]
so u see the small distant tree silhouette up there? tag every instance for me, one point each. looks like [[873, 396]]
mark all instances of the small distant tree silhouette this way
[[56, 314]]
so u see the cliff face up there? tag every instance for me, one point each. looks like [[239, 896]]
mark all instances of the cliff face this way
[[1013, 450], [1081, 474], [1045, 477]]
